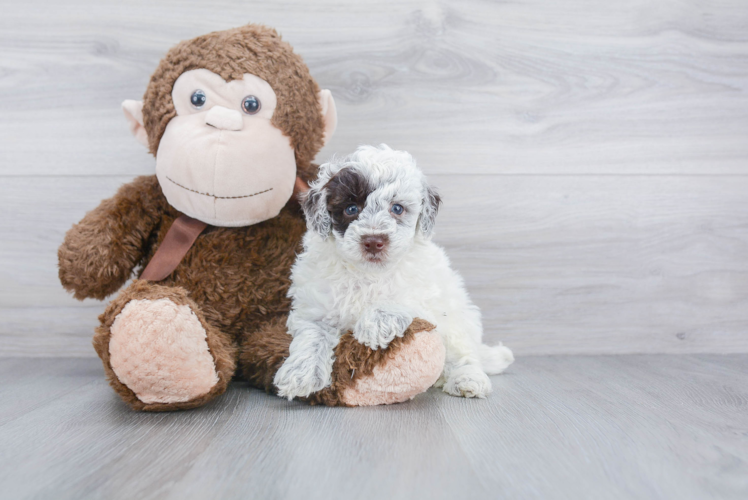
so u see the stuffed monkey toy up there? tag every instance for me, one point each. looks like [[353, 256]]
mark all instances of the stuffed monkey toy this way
[[234, 120]]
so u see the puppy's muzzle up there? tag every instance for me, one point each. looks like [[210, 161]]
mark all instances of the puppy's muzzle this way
[[374, 244]]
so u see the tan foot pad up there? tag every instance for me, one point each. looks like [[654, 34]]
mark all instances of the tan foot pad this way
[[159, 350]]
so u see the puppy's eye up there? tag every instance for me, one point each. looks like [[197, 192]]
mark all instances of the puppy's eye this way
[[351, 209], [198, 98], [251, 105], [397, 209]]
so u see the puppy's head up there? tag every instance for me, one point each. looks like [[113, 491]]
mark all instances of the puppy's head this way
[[375, 203]]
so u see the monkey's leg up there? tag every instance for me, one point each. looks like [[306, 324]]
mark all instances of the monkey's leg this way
[[159, 352], [262, 352], [361, 376]]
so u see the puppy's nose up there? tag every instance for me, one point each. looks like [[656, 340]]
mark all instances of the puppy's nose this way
[[374, 243], [224, 118]]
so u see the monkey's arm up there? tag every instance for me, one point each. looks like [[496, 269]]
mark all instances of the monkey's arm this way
[[101, 251]]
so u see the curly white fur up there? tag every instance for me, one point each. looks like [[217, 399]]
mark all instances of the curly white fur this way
[[337, 286]]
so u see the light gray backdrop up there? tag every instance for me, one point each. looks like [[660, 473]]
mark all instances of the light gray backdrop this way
[[592, 155]]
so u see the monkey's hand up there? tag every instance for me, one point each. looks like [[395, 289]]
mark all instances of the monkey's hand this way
[[99, 253], [378, 326]]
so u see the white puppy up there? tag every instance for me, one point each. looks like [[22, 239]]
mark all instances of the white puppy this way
[[369, 266]]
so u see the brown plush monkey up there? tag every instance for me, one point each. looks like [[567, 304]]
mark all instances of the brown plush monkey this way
[[234, 120]]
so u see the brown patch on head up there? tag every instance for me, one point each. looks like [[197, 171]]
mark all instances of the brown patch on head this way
[[431, 203], [253, 49], [347, 187]]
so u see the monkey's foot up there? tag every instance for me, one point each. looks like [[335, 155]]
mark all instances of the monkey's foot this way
[[406, 368], [159, 352]]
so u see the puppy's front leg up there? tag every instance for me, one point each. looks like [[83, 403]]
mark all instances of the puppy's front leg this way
[[463, 374], [308, 367], [378, 326]]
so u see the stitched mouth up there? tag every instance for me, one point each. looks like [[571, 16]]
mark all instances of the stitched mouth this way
[[214, 196]]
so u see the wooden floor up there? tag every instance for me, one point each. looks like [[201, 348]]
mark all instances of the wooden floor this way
[[604, 427]]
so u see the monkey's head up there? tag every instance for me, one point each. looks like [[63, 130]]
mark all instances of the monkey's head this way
[[233, 118]]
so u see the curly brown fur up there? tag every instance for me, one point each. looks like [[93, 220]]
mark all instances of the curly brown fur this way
[[99, 253], [263, 351], [239, 276], [253, 49], [354, 361], [219, 344], [236, 278]]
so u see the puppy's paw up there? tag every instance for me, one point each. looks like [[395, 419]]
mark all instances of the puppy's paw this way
[[300, 377], [467, 382], [376, 328]]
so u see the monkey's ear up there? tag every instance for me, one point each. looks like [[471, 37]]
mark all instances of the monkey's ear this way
[[314, 203], [329, 113], [431, 202], [134, 114]]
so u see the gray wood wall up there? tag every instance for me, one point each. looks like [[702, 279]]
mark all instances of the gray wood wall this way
[[593, 155]]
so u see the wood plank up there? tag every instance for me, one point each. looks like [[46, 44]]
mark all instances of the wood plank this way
[[610, 415], [28, 384], [636, 426], [475, 87], [591, 264], [575, 265]]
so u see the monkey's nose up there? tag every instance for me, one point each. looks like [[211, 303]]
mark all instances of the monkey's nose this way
[[224, 118], [374, 243]]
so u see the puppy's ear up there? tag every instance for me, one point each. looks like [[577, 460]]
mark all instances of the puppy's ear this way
[[314, 203], [431, 202]]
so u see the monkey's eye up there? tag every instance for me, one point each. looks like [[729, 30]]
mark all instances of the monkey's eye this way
[[198, 99], [351, 209], [397, 209], [251, 105]]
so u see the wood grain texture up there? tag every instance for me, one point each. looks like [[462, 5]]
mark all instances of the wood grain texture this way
[[558, 264], [476, 86], [593, 156], [614, 427]]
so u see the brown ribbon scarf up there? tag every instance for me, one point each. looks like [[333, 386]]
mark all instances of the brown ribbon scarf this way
[[178, 241]]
